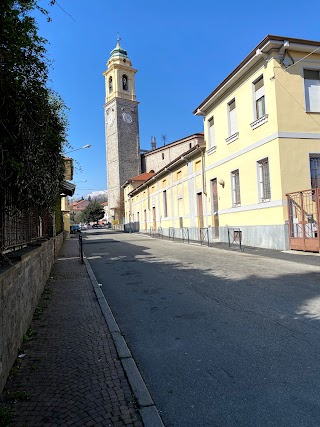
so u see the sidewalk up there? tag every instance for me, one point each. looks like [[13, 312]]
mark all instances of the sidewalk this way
[[71, 374]]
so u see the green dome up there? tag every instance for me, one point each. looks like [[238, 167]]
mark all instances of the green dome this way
[[119, 51]]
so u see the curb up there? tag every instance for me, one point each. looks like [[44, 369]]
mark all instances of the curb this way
[[147, 408]]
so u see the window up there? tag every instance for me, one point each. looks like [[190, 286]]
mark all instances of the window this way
[[232, 111], [125, 82], [315, 170], [235, 186], [110, 84], [165, 206], [312, 90], [264, 180], [259, 98], [211, 133], [162, 156]]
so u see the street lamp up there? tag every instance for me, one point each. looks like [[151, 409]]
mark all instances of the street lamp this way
[[81, 148]]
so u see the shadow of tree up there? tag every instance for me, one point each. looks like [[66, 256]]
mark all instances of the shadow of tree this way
[[221, 338]]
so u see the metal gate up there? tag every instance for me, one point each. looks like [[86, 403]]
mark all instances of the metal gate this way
[[304, 215]]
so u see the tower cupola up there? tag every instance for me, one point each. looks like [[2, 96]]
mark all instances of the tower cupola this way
[[119, 75]]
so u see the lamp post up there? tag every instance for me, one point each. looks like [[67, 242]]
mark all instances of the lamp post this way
[[81, 148]]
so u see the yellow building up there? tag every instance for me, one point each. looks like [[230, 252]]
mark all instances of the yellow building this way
[[262, 141], [164, 202], [67, 189], [262, 131]]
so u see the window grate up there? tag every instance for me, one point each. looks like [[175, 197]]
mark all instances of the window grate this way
[[315, 170]]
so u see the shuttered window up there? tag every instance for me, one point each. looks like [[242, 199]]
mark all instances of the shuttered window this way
[[235, 185], [259, 94], [233, 128], [165, 205], [211, 133], [312, 90], [264, 180]]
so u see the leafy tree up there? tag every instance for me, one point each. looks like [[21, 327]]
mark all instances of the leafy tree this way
[[93, 212], [33, 124]]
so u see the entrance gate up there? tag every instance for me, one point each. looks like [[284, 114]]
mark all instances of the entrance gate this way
[[304, 216]]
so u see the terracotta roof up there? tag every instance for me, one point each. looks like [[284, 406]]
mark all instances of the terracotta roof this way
[[142, 177]]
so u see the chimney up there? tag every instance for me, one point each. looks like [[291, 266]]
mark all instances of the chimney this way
[[153, 143]]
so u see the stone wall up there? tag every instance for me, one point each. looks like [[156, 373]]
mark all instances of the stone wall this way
[[21, 287]]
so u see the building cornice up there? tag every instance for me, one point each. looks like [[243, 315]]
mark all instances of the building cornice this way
[[181, 160], [264, 51]]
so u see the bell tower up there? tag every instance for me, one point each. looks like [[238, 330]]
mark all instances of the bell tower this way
[[121, 124]]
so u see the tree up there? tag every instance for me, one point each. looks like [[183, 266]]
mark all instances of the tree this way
[[120, 208], [93, 212], [33, 124]]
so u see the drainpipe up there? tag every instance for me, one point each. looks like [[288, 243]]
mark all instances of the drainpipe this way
[[204, 184]]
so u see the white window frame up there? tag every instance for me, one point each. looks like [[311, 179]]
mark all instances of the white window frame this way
[[165, 203], [235, 188], [259, 94], [211, 133], [232, 117], [311, 91], [264, 185]]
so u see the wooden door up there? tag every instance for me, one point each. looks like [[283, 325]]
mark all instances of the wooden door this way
[[200, 210]]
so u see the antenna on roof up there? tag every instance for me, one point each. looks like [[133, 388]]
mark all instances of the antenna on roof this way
[[164, 138]]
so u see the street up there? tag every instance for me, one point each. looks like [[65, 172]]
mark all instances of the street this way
[[221, 338]]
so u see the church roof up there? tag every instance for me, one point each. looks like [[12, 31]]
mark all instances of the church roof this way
[[143, 176], [139, 178]]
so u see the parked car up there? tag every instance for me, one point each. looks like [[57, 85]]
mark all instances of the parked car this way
[[75, 228], [97, 226]]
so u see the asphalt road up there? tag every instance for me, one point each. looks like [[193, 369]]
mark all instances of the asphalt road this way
[[222, 339]]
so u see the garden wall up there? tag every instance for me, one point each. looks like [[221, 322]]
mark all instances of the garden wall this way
[[21, 287]]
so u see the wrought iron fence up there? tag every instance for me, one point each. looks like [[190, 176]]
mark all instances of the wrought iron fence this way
[[21, 227]]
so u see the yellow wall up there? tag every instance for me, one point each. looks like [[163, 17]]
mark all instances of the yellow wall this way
[[176, 185], [289, 86]]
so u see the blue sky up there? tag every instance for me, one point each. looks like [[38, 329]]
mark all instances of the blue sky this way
[[182, 50]]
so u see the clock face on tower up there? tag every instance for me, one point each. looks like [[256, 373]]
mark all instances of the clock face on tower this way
[[127, 117]]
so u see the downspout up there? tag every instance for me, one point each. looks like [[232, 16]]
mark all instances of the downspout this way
[[203, 173]]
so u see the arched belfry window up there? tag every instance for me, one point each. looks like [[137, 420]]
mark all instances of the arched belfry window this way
[[124, 82], [110, 85]]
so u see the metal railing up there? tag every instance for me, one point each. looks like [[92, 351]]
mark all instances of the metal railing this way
[[235, 237], [21, 227], [171, 233], [204, 236], [185, 234], [160, 232]]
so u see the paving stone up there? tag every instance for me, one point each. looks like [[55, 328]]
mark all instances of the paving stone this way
[[71, 371]]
